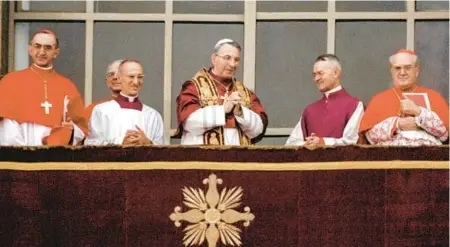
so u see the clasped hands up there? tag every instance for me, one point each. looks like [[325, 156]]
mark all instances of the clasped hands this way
[[313, 139], [136, 137], [408, 111], [233, 103]]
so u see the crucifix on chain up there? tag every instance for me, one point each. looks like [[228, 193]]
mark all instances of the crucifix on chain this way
[[225, 97], [47, 106]]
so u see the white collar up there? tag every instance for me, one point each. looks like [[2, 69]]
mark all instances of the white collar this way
[[130, 98], [43, 68], [333, 90]]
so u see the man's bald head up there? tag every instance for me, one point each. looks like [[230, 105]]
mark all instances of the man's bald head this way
[[124, 62]]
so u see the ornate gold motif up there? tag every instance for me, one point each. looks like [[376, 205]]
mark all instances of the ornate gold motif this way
[[212, 215]]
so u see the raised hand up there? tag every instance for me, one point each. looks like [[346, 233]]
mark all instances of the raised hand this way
[[228, 105], [231, 102], [235, 96]]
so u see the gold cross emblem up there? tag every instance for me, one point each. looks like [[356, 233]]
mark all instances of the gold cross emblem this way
[[212, 215]]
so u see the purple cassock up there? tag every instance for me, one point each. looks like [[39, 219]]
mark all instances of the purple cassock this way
[[328, 117]]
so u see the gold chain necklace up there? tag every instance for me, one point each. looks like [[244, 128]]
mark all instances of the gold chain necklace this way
[[46, 104], [225, 98]]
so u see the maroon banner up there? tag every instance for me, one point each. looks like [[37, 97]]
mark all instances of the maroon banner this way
[[44, 205]]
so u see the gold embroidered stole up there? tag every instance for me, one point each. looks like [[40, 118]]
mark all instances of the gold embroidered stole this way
[[208, 96]]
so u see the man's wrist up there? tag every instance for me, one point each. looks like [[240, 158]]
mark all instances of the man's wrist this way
[[238, 111], [147, 141], [321, 141], [397, 124]]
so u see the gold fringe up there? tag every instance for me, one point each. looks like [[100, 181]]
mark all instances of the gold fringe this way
[[227, 147], [226, 166]]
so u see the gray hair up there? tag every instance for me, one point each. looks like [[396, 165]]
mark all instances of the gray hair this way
[[415, 58], [114, 66], [223, 42], [331, 58]]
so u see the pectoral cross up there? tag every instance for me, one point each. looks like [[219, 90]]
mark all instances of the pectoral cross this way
[[225, 97], [47, 106]]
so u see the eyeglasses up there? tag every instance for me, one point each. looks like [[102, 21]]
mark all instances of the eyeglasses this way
[[110, 74], [318, 73], [406, 68], [229, 58], [39, 47], [133, 76]]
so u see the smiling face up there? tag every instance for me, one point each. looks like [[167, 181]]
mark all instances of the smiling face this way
[[226, 61], [111, 79], [404, 70], [43, 49], [131, 77], [326, 75]]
